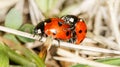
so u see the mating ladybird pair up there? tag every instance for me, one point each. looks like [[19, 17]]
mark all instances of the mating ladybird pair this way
[[68, 28]]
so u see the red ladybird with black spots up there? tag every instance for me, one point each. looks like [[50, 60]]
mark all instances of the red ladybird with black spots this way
[[55, 27], [77, 26]]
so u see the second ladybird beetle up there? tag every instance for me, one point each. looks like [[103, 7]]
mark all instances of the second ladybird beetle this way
[[77, 26]]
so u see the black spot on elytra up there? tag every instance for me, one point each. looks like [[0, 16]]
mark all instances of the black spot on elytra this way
[[54, 33], [67, 33], [48, 20], [60, 23], [85, 31], [80, 31], [81, 41]]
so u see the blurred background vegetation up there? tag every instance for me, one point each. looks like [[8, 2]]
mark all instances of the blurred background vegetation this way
[[103, 23]]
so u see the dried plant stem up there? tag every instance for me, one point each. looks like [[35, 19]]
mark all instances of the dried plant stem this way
[[114, 21], [77, 59], [32, 16], [98, 23], [83, 7], [35, 13], [91, 58], [7, 3], [83, 61], [62, 44], [107, 42], [20, 5]]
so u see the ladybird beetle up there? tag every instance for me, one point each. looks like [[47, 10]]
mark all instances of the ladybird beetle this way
[[55, 27], [77, 26]]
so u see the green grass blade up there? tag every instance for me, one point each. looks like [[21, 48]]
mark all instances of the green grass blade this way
[[4, 60], [79, 65], [26, 28], [12, 38], [68, 10], [14, 19], [112, 61], [17, 58], [43, 5], [32, 56]]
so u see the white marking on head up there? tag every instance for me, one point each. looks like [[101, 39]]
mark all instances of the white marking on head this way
[[39, 31], [63, 18], [71, 19], [81, 19], [45, 23]]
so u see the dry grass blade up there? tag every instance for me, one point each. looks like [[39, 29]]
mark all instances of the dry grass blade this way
[[63, 44], [107, 42], [7, 3], [35, 13], [77, 59], [20, 5], [114, 21]]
